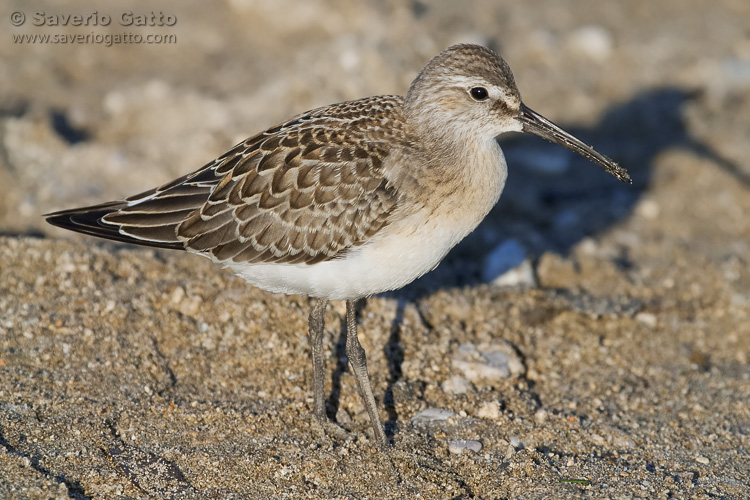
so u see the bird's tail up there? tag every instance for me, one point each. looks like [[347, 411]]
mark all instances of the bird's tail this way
[[149, 219]]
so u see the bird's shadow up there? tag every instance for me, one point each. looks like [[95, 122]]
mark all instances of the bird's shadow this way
[[552, 211]]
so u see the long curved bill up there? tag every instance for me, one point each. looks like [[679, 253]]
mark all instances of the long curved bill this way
[[534, 123]]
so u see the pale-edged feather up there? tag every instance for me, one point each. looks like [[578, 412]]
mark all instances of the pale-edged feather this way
[[304, 191]]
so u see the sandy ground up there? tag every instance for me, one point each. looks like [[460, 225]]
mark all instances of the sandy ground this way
[[616, 365]]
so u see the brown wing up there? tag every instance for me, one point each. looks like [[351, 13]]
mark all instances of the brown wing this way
[[302, 192]]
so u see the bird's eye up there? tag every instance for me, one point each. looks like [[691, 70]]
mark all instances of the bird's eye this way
[[479, 93]]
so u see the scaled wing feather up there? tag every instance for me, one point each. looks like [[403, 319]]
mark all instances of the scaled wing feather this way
[[300, 192]]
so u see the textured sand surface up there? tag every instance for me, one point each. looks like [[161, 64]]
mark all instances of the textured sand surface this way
[[616, 366]]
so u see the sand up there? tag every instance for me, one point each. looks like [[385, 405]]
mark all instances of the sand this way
[[612, 361]]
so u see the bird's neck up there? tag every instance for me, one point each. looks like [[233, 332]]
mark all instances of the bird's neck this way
[[465, 173]]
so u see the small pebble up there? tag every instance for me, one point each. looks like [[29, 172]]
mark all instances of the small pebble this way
[[624, 442], [489, 410], [457, 385], [190, 306], [597, 439], [589, 246], [523, 275], [178, 294], [647, 319], [487, 363], [648, 209], [459, 446], [702, 460], [540, 416], [431, 416], [507, 265]]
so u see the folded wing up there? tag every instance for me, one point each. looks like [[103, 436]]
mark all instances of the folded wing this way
[[301, 192]]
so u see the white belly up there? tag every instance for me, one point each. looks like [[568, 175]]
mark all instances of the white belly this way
[[398, 256]]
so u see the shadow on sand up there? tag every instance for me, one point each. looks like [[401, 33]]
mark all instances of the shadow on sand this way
[[554, 209]]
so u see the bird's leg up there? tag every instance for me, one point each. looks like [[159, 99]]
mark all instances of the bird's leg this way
[[358, 362], [317, 326]]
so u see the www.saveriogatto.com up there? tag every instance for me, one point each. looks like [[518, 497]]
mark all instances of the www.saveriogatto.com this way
[[108, 37]]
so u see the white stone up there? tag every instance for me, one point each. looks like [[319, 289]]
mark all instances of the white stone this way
[[507, 265], [489, 410], [487, 363], [431, 416], [648, 209], [540, 416], [459, 446], [522, 275], [457, 385], [647, 319]]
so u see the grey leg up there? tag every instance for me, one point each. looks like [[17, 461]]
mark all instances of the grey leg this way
[[358, 362], [317, 326]]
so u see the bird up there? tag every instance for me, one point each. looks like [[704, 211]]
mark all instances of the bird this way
[[346, 201]]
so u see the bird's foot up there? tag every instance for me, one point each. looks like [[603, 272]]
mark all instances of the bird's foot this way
[[328, 432]]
